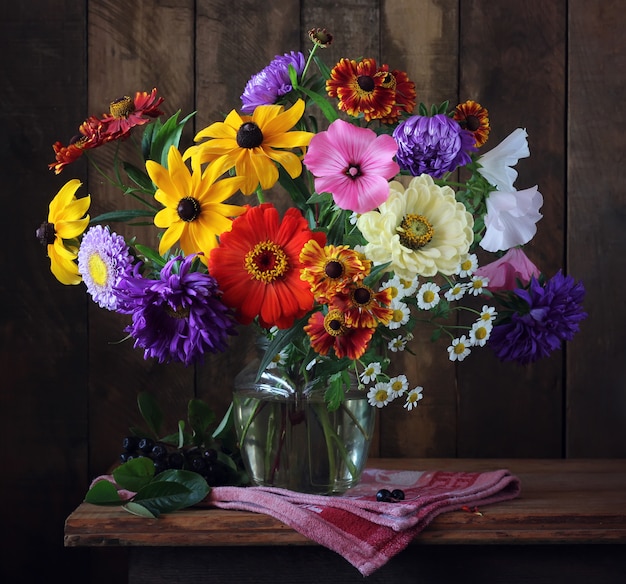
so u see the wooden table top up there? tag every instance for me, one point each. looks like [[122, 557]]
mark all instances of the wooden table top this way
[[562, 501]]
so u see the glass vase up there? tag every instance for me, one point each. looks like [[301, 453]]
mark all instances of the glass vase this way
[[289, 439]]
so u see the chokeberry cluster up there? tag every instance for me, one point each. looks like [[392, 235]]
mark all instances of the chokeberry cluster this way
[[204, 461], [387, 496]]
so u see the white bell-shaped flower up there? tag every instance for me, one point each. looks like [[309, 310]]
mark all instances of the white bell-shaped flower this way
[[511, 218], [496, 165]]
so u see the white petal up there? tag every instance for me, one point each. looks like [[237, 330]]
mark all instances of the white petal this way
[[496, 164]]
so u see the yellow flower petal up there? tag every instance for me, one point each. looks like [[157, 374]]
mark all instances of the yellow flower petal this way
[[171, 236]]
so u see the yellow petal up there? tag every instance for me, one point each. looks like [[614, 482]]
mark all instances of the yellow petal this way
[[70, 229], [165, 217], [265, 170], [284, 121], [171, 236], [63, 198], [288, 160], [65, 270]]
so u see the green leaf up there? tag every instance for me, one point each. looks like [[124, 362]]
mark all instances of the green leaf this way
[[150, 254], [197, 486], [140, 510], [103, 493], [123, 215], [166, 136], [226, 425], [200, 416], [328, 110], [150, 412], [139, 177], [334, 394], [134, 474], [281, 340], [293, 76]]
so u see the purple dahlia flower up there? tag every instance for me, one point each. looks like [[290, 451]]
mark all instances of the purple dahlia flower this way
[[265, 87], [551, 316], [178, 317], [432, 145]]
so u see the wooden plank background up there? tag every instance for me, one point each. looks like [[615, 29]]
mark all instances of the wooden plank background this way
[[68, 389]]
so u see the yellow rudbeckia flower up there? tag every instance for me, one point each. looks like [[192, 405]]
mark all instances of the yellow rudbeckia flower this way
[[253, 144], [66, 221], [194, 212]]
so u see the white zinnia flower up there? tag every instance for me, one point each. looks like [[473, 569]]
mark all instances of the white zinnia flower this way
[[420, 230], [511, 218], [495, 165]]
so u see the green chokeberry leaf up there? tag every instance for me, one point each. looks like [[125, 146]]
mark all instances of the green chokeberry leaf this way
[[151, 412], [103, 493], [134, 474]]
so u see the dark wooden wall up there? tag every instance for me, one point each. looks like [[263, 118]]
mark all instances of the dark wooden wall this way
[[68, 391]]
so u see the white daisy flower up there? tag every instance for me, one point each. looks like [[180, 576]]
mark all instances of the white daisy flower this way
[[398, 344], [353, 218], [370, 372], [456, 292], [413, 397], [398, 385], [410, 286], [477, 285], [428, 296], [468, 265], [488, 313], [401, 314], [459, 349], [379, 395], [480, 332], [278, 359]]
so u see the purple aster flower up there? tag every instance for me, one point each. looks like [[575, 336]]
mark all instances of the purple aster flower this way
[[550, 316], [265, 87], [103, 260], [432, 145], [178, 317]]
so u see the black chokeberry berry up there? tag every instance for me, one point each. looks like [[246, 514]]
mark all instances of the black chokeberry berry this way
[[176, 460], [130, 443], [384, 495], [210, 455], [397, 494], [145, 445], [158, 451]]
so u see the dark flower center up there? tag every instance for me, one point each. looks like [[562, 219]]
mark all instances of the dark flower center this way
[[45, 233], [472, 123], [249, 135], [188, 209], [333, 323], [362, 295], [366, 83], [353, 171], [266, 262], [122, 107], [415, 231], [333, 269]]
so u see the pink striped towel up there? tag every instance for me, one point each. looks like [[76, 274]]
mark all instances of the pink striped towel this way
[[365, 532]]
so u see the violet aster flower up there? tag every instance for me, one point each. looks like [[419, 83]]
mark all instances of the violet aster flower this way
[[272, 82], [549, 315], [432, 145], [103, 260], [178, 317]]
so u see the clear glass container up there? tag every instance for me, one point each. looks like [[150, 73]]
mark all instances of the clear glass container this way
[[289, 439]]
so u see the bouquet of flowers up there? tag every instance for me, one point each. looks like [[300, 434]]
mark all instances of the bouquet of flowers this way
[[389, 201]]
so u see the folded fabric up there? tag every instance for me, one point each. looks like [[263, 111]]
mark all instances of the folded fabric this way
[[367, 533]]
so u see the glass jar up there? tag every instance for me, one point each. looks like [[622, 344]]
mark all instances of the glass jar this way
[[289, 439]]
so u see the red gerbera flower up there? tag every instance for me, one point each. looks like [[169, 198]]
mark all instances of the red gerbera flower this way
[[330, 330], [257, 266], [362, 307], [126, 113], [361, 88]]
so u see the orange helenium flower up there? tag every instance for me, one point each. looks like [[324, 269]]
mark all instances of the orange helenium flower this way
[[330, 331], [257, 266], [331, 268], [362, 307], [473, 117], [361, 88]]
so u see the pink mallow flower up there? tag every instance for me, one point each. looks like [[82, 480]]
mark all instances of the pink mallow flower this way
[[353, 164], [505, 272]]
